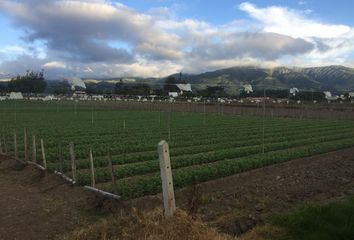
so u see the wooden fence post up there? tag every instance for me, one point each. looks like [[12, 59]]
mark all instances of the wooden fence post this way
[[5, 146], [34, 149], [169, 126], [92, 119], [166, 178], [73, 163], [15, 145], [60, 155], [26, 144], [204, 113], [1, 151], [93, 181], [111, 170], [43, 154]]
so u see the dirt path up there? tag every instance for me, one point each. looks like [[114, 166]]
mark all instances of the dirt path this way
[[38, 207]]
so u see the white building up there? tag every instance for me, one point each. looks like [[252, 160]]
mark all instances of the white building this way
[[293, 91], [184, 87], [80, 95], [15, 96], [173, 94], [97, 97], [49, 98]]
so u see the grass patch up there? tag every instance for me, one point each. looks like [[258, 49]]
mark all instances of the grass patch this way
[[319, 222]]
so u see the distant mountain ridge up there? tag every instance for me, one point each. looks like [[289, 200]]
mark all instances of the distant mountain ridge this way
[[329, 78]]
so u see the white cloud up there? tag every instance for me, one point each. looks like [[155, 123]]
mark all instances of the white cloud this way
[[293, 23], [54, 64], [13, 49], [333, 42], [81, 30], [74, 37]]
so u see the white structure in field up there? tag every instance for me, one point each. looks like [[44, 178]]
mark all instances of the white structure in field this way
[[327, 94], [76, 82], [184, 87], [16, 96], [48, 98], [97, 97], [220, 100], [329, 97], [173, 94], [152, 97], [80, 95], [293, 91], [248, 88], [197, 99]]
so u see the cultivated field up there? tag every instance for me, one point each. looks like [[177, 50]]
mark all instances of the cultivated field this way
[[202, 146]]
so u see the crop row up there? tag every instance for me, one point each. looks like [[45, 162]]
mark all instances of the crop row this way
[[227, 144], [141, 186], [203, 158]]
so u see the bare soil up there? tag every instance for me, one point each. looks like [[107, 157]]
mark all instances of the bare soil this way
[[238, 203], [38, 206]]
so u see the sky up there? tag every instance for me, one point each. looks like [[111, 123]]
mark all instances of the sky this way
[[155, 38]]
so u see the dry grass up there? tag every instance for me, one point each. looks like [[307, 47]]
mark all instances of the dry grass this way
[[149, 226]]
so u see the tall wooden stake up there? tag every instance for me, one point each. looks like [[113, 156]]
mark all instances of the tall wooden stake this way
[[111, 171], [169, 126], [73, 163], [5, 146], [204, 113], [93, 181], [34, 149], [43, 154], [60, 152], [26, 143], [263, 123], [1, 150], [15, 145], [15, 113], [166, 177], [92, 116]]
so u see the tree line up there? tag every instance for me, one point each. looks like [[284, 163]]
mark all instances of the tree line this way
[[31, 82], [34, 82]]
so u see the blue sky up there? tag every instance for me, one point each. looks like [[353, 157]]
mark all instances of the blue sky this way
[[101, 38], [218, 12]]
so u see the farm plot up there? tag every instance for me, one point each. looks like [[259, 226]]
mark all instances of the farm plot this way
[[203, 147]]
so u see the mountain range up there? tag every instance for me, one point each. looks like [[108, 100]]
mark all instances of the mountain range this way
[[329, 78]]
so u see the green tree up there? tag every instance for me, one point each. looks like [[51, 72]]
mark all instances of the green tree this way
[[31, 82], [170, 84]]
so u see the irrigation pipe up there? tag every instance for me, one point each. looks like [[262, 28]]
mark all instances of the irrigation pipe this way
[[66, 178], [37, 165], [107, 194]]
